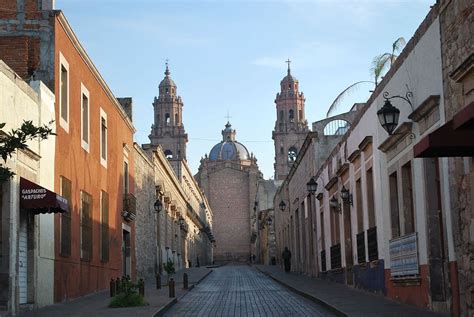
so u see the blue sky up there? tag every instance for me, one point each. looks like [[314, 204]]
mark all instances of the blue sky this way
[[228, 56]]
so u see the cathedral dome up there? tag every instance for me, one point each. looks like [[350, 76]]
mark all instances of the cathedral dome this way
[[229, 148]]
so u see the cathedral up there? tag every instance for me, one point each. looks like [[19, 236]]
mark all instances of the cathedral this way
[[229, 177], [291, 127]]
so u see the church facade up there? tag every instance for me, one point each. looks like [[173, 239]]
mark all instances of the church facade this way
[[229, 176]]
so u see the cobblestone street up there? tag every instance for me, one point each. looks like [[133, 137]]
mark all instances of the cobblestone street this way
[[243, 291]]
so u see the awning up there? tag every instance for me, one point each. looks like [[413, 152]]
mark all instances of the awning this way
[[453, 139], [39, 200]]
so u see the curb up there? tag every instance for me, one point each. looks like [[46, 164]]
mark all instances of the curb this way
[[160, 312], [312, 298]]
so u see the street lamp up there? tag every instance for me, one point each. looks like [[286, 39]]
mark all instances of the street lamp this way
[[269, 221], [346, 195], [388, 115], [158, 205], [333, 203], [282, 205], [312, 186]]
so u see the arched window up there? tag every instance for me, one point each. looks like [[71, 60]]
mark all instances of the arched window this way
[[281, 150], [167, 90], [291, 115], [167, 119], [168, 154], [281, 115], [158, 119], [292, 153], [176, 120]]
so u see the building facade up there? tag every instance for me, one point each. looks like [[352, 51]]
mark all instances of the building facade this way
[[381, 218], [26, 254], [94, 242], [181, 232], [229, 177]]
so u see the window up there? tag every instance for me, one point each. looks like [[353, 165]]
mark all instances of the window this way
[[158, 119], [323, 244], [300, 113], [176, 119], [65, 218], [335, 230], [281, 115], [125, 177], [370, 198], [104, 226], [86, 226], [85, 118], [394, 211], [408, 211], [168, 154], [360, 211], [63, 92], [103, 138], [291, 115], [292, 153], [167, 119]]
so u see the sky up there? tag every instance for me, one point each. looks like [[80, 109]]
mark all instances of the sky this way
[[228, 57]]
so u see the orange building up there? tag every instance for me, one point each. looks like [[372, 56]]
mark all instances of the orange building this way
[[94, 144]]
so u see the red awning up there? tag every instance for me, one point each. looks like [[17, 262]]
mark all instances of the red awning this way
[[446, 142], [40, 200]]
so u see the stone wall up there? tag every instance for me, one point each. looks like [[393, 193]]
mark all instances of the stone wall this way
[[457, 31], [146, 231]]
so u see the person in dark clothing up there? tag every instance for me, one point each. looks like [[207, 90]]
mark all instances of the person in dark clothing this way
[[286, 255]]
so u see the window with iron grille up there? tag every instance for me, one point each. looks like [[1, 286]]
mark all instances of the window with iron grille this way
[[104, 227], [361, 247], [323, 260], [86, 226], [336, 256], [65, 237], [372, 244]]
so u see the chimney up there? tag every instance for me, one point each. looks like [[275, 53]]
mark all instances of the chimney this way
[[126, 103]]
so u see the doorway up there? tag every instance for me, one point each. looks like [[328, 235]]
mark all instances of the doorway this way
[[126, 258], [348, 243]]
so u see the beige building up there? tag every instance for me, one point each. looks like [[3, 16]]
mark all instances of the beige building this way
[[26, 235]]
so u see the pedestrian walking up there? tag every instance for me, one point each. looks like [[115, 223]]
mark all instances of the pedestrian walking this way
[[286, 255]]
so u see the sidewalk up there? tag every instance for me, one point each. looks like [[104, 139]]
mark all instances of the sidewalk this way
[[343, 300], [97, 304]]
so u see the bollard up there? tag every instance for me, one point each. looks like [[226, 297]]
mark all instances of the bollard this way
[[185, 281], [171, 287], [158, 281], [141, 287], [112, 287]]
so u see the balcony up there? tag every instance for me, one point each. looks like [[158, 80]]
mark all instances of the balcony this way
[[129, 212]]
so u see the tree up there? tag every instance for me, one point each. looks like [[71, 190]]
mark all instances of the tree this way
[[380, 63], [333, 107], [385, 61], [17, 139]]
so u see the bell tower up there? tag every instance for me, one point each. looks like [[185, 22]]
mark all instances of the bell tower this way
[[291, 126], [168, 129]]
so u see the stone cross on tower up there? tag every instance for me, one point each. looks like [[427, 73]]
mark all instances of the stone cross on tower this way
[[288, 62]]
